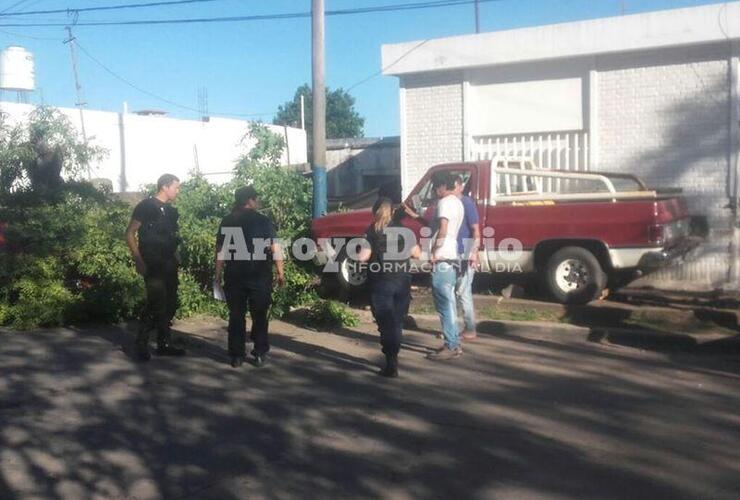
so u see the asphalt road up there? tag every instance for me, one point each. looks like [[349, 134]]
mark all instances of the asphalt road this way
[[527, 412]]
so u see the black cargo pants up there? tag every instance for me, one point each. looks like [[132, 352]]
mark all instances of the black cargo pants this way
[[161, 283]]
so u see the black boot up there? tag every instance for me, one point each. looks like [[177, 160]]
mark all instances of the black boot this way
[[391, 366], [169, 350], [143, 353]]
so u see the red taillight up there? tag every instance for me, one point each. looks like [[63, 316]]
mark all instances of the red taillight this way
[[656, 234]]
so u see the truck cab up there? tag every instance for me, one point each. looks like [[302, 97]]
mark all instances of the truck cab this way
[[575, 233]]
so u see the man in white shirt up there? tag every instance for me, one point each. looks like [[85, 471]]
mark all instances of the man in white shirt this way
[[449, 217]]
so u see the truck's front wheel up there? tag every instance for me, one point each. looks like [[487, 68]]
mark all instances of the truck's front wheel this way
[[351, 276], [573, 275]]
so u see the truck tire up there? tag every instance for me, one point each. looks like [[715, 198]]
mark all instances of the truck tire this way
[[573, 275], [349, 279]]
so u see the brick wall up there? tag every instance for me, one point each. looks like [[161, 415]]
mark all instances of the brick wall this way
[[434, 123], [665, 116]]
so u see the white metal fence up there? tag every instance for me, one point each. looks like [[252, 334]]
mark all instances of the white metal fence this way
[[558, 151]]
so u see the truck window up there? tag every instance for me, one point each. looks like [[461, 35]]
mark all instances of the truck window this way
[[429, 197]]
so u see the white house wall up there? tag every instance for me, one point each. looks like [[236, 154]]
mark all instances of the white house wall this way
[[149, 146], [526, 107], [433, 126], [660, 105]]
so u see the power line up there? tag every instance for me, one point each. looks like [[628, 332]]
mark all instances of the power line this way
[[29, 37], [152, 94], [259, 17], [90, 9], [377, 73], [16, 4]]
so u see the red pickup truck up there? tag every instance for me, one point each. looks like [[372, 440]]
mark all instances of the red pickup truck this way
[[574, 232]]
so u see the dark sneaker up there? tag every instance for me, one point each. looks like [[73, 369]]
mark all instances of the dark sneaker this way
[[169, 350], [445, 354], [237, 361], [259, 360]]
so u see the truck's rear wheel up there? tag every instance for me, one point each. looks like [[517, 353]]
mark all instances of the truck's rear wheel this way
[[573, 275]]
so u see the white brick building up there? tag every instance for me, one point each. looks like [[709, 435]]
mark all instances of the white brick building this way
[[653, 94]]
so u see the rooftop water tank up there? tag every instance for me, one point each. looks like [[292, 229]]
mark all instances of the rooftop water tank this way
[[17, 69]]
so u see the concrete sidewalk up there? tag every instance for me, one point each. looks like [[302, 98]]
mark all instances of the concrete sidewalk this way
[[526, 412]]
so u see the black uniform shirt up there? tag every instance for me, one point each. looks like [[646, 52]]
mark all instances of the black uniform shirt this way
[[379, 263], [253, 225], [158, 231]]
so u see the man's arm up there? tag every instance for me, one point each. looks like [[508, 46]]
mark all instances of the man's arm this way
[[133, 245], [474, 258], [440, 238], [219, 265], [277, 258]]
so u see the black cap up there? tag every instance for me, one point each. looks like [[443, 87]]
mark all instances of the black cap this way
[[244, 194]]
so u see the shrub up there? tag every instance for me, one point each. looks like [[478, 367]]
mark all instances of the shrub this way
[[297, 291], [331, 314], [194, 299], [37, 295]]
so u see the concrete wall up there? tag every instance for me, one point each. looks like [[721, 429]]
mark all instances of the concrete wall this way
[[432, 125], [665, 115], [141, 148], [358, 165]]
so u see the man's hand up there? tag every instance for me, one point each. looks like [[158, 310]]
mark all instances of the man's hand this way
[[475, 261], [409, 211], [140, 266], [280, 280]]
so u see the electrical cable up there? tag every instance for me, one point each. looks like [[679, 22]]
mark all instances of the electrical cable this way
[[259, 17], [109, 7], [152, 94]]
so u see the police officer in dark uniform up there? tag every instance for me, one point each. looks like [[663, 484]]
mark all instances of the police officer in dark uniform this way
[[154, 225], [389, 280], [247, 249]]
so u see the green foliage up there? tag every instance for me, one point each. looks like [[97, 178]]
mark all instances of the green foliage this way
[[285, 195], [109, 286], [66, 257], [35, 155], [297, 291], [331, 314], [193, 299], [201, 206], [342, 120], [36, 294]]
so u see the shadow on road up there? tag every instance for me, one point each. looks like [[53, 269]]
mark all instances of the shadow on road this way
[[80, 419]]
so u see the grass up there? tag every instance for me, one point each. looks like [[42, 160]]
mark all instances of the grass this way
[[637, 319]]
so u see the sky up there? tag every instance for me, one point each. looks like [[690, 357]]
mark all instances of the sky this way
[[250, 68]]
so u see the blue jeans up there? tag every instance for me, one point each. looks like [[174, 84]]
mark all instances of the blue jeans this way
[[465, 296], [444, 278]]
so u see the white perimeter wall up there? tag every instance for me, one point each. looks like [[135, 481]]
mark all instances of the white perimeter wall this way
[[141, 148]]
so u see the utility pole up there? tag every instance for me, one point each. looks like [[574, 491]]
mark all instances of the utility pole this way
[[303, 114], [80, 101], [477, 16], [318, 165]]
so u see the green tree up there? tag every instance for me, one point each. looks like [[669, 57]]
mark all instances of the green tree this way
[[285, 194], [342, 120], [37, 154]]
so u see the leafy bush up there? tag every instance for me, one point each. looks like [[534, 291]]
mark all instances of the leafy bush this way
[[36, 295], [66, 258], [285, 194], [194, 300], [331, 314], [297, 291]]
